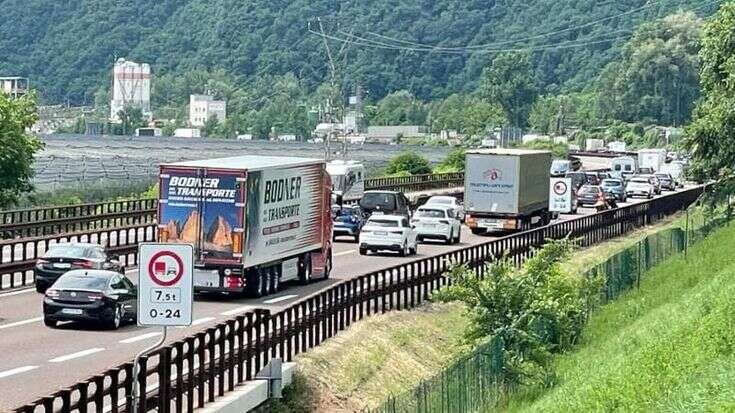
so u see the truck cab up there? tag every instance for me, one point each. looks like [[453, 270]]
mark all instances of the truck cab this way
[[348, 179]]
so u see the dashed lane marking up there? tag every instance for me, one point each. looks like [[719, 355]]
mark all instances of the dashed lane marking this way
[[13, 372], [279, 299], [78, 354], [141, 337], [21, 323]]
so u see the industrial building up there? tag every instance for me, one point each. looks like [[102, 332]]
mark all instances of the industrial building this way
[[131, 87], [391, 133], [14, 86], [203, 107]]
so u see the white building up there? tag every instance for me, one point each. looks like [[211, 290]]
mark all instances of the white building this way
[[131, 86], [14, 86], [188, 133], [391, 133], [202, 107]]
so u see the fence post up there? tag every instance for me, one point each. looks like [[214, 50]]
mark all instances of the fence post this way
[[686, 235], [638, 278]]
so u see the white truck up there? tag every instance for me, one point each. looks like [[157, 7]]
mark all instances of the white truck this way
[[594, 145], [506, 189], [348, 178], [254, 221], [616, 146], [651, 158]]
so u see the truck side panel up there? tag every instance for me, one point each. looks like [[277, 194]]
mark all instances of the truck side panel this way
[[534, 182], [285, 213], [491, 183]]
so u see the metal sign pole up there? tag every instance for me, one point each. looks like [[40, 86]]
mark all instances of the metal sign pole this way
[[136, 368]]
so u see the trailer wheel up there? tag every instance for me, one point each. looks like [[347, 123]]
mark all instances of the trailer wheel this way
[[305, 269], [274, 280], [257, 280]]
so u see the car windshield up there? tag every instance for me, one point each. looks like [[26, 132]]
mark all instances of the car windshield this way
[[388, 223], [662, 176], [589, 189], [377, 200], [66, 250], [430, 213], [611, 183], [82, 282]]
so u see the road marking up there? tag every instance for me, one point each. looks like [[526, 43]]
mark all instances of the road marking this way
[[8, 373], [202, 321], [23, 291], [237, 310], [339, 254], [279, 299], [76, 355], [21, 323], [140, 338]]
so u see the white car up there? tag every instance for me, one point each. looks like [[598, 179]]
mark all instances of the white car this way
[[388, 233], [437, 221], [640, 186], [449, 201]]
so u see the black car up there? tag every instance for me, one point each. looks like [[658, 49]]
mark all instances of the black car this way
[[99, 296], [386, 202], [61, 258], [592, 178], [589, 195], [578, 179]]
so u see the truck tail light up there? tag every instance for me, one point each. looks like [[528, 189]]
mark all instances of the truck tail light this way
[[233, 281], [510, 224], [237, 242], [470, 221], [163, 235]]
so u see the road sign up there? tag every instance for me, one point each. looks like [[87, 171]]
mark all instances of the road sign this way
[[560, 195], [165, 284]]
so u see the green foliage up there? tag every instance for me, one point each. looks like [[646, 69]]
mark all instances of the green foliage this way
[[558, 150], [509, 81], [454, 162], [131, 118], [711, 135], [17, 147], [398, 108], [536, 311], [67, 47], [553, 114], [466, 114], [656, 77], [408, 163]]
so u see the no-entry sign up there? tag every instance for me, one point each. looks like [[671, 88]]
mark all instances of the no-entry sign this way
[[165, 284]]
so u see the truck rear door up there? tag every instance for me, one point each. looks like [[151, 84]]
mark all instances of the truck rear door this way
[[205, 208]]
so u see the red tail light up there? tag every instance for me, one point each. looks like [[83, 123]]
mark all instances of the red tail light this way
[[83, 264], [233, 282]]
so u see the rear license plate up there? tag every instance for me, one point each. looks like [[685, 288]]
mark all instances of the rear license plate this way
[[72, 311], [206, 279], [381, 233], [62, 265]]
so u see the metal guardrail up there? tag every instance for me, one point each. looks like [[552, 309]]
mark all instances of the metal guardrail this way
[[192, 371]]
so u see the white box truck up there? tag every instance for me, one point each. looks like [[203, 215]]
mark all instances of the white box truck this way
[[506, 189], [651, 158], [594, 145], [254, 221]]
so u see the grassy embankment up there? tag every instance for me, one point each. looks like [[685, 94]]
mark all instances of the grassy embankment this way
[[390, 354], [666, 347]]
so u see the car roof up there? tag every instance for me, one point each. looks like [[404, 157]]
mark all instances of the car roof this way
[[389, 217], [443, 197], [75, 244], [91, 273], [435, 206]]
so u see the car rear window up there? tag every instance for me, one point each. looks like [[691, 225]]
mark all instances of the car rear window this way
[[611, 183], [441, 201], [82, 282], [385, 201], [389, 223], [66, 251], [590, 189], [430, 213]]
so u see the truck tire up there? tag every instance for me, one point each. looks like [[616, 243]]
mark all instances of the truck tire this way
[[478, 231], [328, 265], [274, 280], [305, 272], [257, 280]]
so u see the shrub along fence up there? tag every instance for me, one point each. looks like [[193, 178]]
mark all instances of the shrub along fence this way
[[191, 372], [471, 383]]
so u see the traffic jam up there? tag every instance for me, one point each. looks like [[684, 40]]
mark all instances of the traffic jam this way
[[253, 224]]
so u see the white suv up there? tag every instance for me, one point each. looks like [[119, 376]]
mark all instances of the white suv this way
[[437, 222], [448, 201], [640, 186], [388, 233]]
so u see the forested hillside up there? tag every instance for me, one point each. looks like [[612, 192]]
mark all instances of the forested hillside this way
[[67, 47]]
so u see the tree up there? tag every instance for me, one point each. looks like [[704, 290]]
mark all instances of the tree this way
[[131, 118], [509, 82], [398, 108], [465, 114], [711, 135], [656, 77], [211, 127], [17, 147], [408, 163], [454, 162]]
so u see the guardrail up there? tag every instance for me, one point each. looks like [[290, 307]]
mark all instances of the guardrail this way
[[195, 370]]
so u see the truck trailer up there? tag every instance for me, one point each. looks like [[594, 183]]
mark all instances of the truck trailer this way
[[254, 221], [506, 189], [652, 158]]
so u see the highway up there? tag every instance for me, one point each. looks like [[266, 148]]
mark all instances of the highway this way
[[38, 360]]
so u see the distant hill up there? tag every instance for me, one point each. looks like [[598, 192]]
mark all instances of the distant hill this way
[[67, 47]]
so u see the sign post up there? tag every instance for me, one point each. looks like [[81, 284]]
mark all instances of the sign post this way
[[165, 293], [560, 195]]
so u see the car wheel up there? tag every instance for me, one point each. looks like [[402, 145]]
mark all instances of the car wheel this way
[[450, 238], [363, 251], [404, 251], [357, 238], [116, 321], [459, 237], [49, 322]]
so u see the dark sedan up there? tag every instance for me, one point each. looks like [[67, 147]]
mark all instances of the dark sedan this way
[[667, 182], [349, 221], [98, 296], [61, 258], [589, 195]]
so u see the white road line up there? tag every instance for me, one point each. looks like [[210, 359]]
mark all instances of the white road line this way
[[76, 355], [237, 310], [202, 321], [279, 299], [21, 323], [140, 338], [339, 254], [23, 291], [8, 373]]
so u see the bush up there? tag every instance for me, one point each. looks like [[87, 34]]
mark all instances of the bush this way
[[408, 163], [537, 310], [454, 162]]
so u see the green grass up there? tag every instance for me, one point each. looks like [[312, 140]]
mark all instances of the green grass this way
[[666, 347]]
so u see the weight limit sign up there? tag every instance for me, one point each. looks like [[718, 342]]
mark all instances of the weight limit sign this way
[[165, 284]]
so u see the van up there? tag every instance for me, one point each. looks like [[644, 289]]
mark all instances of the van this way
[[385, 202], [623, 167]]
